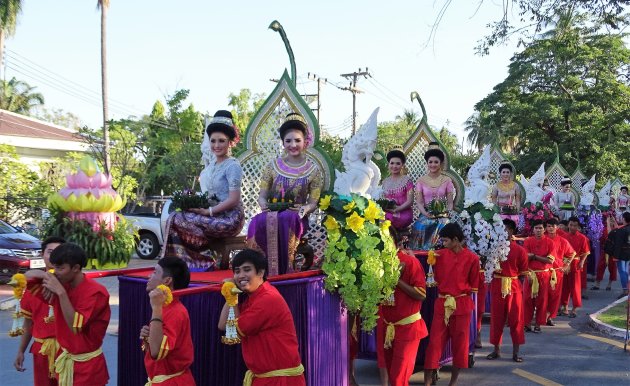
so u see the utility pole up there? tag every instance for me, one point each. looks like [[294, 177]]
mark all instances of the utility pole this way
[[354, 90], [319, 90]]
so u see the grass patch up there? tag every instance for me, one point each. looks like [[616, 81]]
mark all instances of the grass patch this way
[[615, 316]]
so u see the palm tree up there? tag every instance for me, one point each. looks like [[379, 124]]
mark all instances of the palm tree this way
[[103, 5], [18, 96], [9, 10], [410, 118]]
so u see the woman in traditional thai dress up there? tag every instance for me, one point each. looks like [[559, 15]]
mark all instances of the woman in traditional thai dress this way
[[291, 177], [190, 232], [398, 187], [548, 197], [506, 194], [435, 193], [565, 200], [623, 203]]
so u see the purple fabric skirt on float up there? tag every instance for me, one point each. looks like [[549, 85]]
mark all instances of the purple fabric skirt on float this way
[[277, 235], [189, 235]]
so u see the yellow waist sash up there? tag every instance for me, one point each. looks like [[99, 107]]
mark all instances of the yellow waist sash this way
[[390, 332], [249, 376], [49, 348], [534, 279], [162, 378], [450, 305], [64, 365], [554, 279], [506, 284]]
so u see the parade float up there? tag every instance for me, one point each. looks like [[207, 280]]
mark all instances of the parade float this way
[[84, 212]]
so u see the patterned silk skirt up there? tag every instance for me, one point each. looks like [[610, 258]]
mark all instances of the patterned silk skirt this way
[[277, 235], [189, 235], [425, 233]]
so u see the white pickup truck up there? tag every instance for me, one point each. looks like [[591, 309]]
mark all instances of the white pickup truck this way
[[152, 231]]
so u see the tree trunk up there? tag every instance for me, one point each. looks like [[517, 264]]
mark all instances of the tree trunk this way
[[107, 160]]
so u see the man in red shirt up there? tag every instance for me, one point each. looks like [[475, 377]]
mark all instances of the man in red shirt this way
[[572, 286], [81, 309], [457, 275], [563, 254], [41, 327], [506, 297], [167, 342], [401, 318], [265, 326], [539, 251]]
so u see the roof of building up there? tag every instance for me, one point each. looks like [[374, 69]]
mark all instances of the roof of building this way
[[22, 126]]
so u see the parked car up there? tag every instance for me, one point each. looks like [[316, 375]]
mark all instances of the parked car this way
[[151, 230], [19, 252]]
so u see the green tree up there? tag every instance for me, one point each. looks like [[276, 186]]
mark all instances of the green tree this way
[[570, 87], [244, 105], [23, 193], [59, 117], [535, 16], [19, 97], [333, 146], [9, 11]]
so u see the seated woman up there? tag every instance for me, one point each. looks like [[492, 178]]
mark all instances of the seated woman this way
[[435, 193], [565, 200], [398, 187], [506, 194], [189, 231], [291, 177]]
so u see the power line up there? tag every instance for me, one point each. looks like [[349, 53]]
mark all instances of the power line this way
[[354, 90]]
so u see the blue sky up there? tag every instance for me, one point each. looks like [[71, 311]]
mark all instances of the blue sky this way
[[215, 48]]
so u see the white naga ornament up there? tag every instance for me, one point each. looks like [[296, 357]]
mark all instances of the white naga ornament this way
[[587, 197], [477, 191], [362, 176], [533, 187], [604, 195]]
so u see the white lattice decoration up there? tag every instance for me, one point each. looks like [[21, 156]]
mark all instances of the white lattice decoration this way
[[615, 187], [555, 174], [263, 144], [496, 159], [414, 148], [579, 178]]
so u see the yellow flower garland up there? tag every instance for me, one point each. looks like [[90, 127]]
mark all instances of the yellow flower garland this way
[[18, 282], [167, 293]]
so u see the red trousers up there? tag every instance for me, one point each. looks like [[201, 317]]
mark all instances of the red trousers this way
[[508, 308], [399, 360], [572, 286], [539, 303], [40, 367], [602, 265], [458, 330], [555, 295], [481, 299]]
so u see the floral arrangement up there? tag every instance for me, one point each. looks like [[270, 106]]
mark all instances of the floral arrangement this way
[[386, 204], [437, 207], [186, 199], [593, 221], [531, 212], [360, 259], [485, 234], [280, 201]]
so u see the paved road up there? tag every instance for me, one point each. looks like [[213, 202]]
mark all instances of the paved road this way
[[568, 354]]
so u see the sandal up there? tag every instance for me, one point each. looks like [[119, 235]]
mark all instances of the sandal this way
[[608, 288], [517, 359], [537, 330], [595, 288], [528, 329], [563, 313], [493, 355], [573, 314]]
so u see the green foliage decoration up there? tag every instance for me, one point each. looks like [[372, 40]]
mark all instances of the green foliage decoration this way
[[360, 259], [105, 248]]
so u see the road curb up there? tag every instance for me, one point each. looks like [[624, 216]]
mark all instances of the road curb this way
[[604, 327]]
